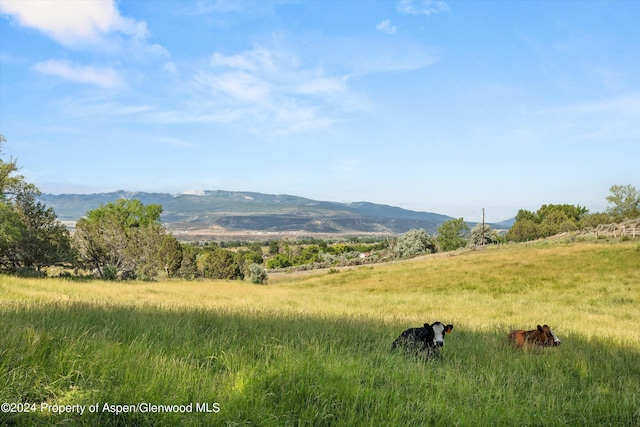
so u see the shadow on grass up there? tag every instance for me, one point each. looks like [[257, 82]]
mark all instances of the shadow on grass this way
[[284, 369]]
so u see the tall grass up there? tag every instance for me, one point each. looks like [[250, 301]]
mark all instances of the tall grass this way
[[315, 349]]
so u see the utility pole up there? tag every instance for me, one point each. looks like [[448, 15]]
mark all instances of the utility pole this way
[[482, 228]]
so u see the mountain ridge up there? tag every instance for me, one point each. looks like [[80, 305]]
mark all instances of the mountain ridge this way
[[214, 213]]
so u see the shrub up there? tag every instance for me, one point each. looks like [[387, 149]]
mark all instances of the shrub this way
[[258, 274], [30, 272], [110, 272], [414, 242]]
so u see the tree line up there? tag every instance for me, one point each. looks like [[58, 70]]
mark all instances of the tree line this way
[[624, 203], [124, 239]]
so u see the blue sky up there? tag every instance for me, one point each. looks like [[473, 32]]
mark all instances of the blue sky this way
[[438, 106]]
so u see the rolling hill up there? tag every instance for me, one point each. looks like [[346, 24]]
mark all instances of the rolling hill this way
[[214, 214]]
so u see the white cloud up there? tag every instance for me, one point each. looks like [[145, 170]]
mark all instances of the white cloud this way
[[323, 86], [273, 90], [74, 23], [255, 60], [193, 192], [386, 27], [236, 86], [422, 7], [106, 77]]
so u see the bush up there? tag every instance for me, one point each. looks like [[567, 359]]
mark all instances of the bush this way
[[30, 272], [110, 272], [220, 264], [414, 242], [258, 274]]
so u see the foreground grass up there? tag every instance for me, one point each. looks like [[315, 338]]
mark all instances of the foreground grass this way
[[314, 350]]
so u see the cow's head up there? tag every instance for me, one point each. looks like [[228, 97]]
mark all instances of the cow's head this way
[[439, 330], [547, 336]]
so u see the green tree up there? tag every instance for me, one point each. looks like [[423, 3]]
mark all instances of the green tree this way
[[124, 235], [11, 231], [308, 255], [10, 182], [554, 219], [412, 243], [547, 221], [30, 234], [624, 202], [45, 241], [595, 219], [525, 215], [253, 254], [188, 266], [523, 231], [220, 264], [274, 247], [565, 212], [452, 234], [279, 261], [169, 255]]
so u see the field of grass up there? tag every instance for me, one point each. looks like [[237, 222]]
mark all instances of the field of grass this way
[[314, 349]]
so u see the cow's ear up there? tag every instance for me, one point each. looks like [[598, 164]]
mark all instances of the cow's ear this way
[[540, 328], [449, 328], [426, 325]]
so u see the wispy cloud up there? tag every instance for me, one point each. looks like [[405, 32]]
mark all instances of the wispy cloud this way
[[74, 23], [105, 77], [273, 89], [386, 27], [422, 7]]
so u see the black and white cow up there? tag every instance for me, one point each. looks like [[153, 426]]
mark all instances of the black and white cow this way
[[426, 339]]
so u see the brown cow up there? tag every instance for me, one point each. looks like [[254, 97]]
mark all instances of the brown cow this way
[[542, 336]]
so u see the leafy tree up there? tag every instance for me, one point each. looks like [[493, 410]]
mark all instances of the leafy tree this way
[[44, 241], [308, 255], [169, 255], [30, 234], [595, 219], [11, 231], [124, 235], [523, 231], [220, 264], [524, 215], [188, 266], [553, 223], [279, 261], [9, 182], [452, 234], [142, 250], [624, 202], [414, 242], [560, 213], [274, 247], [547, 221], [253, 254]]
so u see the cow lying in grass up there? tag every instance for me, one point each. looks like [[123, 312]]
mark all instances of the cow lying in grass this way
[[541, 336], [424, 341]]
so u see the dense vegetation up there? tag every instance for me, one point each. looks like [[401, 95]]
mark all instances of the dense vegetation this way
[[315, 349]]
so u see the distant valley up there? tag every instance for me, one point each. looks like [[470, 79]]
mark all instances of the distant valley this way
[[225, 215]]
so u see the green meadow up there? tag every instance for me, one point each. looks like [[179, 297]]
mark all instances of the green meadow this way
[[314, 349]]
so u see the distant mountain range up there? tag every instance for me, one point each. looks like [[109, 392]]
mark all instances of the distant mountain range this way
[[229, 214]]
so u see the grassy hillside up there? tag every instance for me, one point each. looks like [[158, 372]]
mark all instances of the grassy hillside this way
[[315, 349]]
